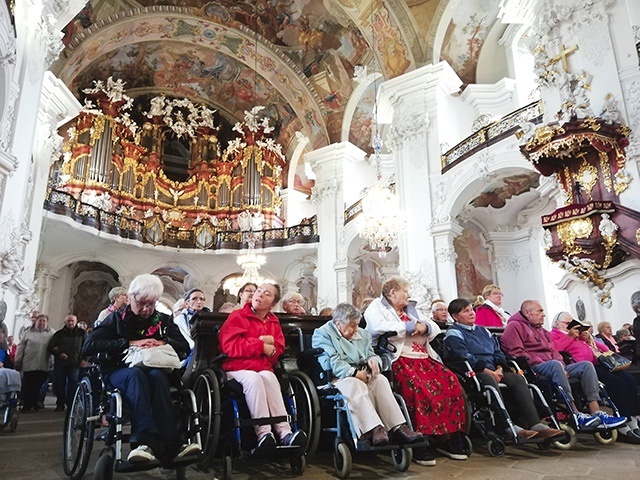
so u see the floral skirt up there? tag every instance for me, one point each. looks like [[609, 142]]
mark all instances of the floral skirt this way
[[433, 395]]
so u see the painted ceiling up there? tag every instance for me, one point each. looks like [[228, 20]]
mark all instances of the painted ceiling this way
[[295, 57]]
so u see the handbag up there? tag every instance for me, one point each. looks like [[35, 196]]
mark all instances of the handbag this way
[[614, 362], [163, 357]]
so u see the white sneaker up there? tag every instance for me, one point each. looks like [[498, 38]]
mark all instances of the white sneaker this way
[[188, 449], [142, 454]]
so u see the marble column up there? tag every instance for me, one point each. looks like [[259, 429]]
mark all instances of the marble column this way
[[328, 164], [413, 101]]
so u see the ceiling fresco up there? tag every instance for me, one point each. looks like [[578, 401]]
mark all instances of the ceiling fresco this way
[[296, 57], [498, 194]]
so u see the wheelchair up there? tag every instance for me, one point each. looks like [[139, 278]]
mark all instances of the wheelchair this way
[[228, 429], [558, 401], [487, 412], [99, 414], [10, 384], [336, 424]]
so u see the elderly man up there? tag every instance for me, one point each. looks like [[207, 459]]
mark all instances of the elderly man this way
[[65, 346], [349, 355], [524, 337], [466, 340], [293, 304]]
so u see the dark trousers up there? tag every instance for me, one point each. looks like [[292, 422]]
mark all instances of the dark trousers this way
[[146, 392], [65, 381], [519, 402], [623, 390], [31, 383]]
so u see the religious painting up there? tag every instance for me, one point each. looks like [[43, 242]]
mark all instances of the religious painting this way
[[498, 194], [367, 282], [473, 269], [468, 28]]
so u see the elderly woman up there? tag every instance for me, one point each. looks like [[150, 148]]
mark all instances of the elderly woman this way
[[432, 392], [571, 336], [33, 359], [490, 312], [245, 293], [194, 299], [605, 335], [293, 304], [253, 340], [117, 300], [154, 433], [635, 328], [348, 353]]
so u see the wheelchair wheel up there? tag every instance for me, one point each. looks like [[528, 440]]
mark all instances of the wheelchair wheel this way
[[298, 464], [401, 458], [342, 460], [570, 439], [181, 473], [207, 392], [103, 469], [226, 468], [496, 448], [467, 445], [78, 433], [307, 410], [606, 437]]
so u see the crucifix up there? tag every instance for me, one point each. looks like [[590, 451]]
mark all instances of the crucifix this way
[[562, 56]]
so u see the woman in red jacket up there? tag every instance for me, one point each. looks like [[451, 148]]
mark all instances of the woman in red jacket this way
[[252, 340]]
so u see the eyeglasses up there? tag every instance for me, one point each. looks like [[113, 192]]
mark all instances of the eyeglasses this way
[[296, 302], [144, 305], [197, 299]]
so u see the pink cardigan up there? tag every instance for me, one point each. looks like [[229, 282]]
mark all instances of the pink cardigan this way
[[579, 349]]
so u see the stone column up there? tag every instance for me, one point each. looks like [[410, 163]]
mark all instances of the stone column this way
[[412, 101], [443, 235], [328, 165]]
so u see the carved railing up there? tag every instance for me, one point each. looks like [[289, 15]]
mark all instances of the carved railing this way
[[491, 134], [155, 231]]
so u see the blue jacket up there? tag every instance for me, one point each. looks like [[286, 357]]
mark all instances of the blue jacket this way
[[476, 344], [343, 356]]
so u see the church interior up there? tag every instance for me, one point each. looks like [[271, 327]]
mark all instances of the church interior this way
[[325, 145]]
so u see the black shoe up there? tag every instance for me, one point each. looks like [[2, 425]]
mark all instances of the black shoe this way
[[266, 441], [629, 437], [452, 450], [295, 439], [422, 457]]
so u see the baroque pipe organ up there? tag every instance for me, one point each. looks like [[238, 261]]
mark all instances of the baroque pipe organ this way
[[159, 161]]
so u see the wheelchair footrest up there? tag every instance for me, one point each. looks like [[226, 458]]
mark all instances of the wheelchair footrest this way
[[126, 467], [250, 422]]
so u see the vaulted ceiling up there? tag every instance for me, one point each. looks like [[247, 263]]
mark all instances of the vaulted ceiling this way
[[296, 57]]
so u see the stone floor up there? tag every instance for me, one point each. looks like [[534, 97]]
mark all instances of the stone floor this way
[[33, 452]]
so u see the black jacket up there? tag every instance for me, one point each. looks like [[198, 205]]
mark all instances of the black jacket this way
[[69, 341], [115, 332]]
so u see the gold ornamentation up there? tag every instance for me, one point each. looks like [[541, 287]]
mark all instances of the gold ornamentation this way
[[569, 232], [591, 123], [587, 176], [638, 236], [606, 170]]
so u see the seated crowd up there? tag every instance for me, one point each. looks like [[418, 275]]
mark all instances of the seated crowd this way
[[252, 340]]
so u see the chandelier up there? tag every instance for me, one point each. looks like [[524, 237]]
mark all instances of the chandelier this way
[[380, 222], [250, 263]]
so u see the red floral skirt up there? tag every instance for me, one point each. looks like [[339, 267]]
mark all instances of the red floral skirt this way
[[433, 395]]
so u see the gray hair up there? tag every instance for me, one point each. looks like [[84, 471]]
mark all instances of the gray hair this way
[[147, 286], [290, 296], [635, 302], [346, 314], [557, 320], [435, 306], [115, 292]]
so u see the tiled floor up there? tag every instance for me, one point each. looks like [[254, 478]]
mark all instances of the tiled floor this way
[[34, 450]]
